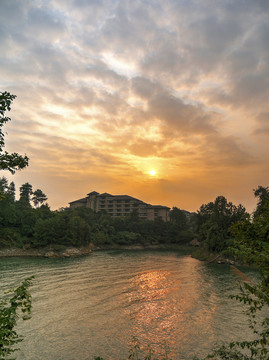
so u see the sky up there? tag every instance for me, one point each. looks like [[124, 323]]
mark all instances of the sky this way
[[163, 100]]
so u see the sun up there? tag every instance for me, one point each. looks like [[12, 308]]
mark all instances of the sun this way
[[152, 172]]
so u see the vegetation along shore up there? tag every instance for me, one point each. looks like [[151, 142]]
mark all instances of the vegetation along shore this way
[[30, 228]]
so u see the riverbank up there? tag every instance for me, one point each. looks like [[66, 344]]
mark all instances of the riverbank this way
[[48, 252], [59, 251], [204, 255], [65, 252]]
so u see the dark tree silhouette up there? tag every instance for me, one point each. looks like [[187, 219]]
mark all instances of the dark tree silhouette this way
[[13, 161]]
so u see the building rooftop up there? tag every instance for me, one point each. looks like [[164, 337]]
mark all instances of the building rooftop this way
[[126, 197], [83, 200]]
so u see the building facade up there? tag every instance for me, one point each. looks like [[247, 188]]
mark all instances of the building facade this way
[[121, 205]]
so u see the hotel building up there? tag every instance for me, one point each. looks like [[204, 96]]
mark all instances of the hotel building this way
[[121, 205]]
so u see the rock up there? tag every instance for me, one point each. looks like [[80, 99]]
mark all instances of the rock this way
[[72, 252], [50, 254], [65, 255]]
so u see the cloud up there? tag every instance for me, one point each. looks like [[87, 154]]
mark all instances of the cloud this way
[[226, 151], [262, 124], [109, 89], [171, 109], [48, 23]]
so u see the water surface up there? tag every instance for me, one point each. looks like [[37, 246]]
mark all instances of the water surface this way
[[97, 305]]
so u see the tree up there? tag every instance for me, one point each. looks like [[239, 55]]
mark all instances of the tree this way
[[252, 237], [179, 218], [39, 197], [51, 231], [78, 231], [251, 244], [214, 221], [262, 193], [3, 184], [14, 161], [19, 298], [26, 190], [11, 190]]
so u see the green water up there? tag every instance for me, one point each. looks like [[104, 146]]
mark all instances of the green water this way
[[96, 305]]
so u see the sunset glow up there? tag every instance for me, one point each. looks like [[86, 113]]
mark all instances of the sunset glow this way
[[166, 101]]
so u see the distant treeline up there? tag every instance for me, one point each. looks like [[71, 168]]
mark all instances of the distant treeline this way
[[29, 222]]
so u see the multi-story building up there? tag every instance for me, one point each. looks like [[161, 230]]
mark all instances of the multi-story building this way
[[121, 205]]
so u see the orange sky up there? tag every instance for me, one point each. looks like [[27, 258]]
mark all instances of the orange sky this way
[[108, 91]]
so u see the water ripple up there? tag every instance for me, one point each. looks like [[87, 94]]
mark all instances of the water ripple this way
[[94, 306]]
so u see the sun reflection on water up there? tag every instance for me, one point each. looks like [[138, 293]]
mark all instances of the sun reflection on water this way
[[164, 308]]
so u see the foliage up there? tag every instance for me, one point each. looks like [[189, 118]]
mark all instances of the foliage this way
[[78, 231], [178, 218], [49, 231], [180, 229], [251, 244], [214, 221], [11, 190], [38, 197], [26, 190], [252, 236], [30, 222], [17, 299], [127, 237], [18, 218], [14, 161], [262, 193]]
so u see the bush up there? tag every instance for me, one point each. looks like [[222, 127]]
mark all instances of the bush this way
[[19, 298], [99, 238], [127, 238]]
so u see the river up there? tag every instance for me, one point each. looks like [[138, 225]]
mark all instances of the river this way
[[103, 304]]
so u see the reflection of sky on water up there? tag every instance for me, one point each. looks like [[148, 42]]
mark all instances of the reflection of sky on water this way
[[94, 306], [165, 306]]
